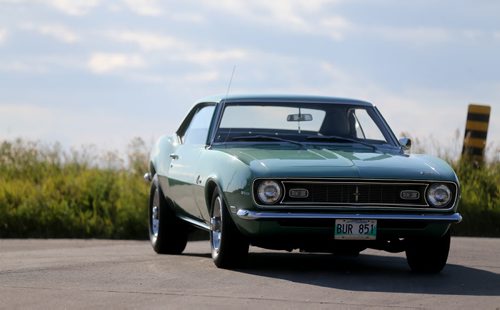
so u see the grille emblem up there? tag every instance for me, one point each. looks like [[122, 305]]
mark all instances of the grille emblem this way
[[298, 193], [409, 195], [356, 194]]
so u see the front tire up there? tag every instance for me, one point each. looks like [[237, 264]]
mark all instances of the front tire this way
[[229, 246], [428, 255], [168, 234]]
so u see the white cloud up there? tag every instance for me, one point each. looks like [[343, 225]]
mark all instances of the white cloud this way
[[283, 12], [108, 62], [336, 74], [56, 31], [59, 32], [3, 35], [201, 77], [301, 16], [315, 17], [179, 50], [73, 7], [315, 5], [147, 41], [207, 57], [496, 35], [412, 35], [472, 34], [155, 8], [298, 15], [23, 67], [188, 17], [335, 27], [144, 7]]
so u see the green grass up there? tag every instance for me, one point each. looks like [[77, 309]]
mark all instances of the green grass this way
[[480, 203], [47, 192]]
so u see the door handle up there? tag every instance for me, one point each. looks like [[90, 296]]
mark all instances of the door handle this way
[[174, 156]]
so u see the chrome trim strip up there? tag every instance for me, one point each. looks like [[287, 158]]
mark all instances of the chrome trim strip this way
[[362, 181], [195, 222], [353, 180], [352, 203], [353, 207], [253, 215]]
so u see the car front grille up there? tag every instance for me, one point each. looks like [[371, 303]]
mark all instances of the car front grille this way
[[353, 193]]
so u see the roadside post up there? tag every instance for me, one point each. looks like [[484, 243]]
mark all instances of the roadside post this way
[[476, 131]]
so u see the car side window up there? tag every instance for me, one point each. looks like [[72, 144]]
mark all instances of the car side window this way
[[197, 131], [365, 127]]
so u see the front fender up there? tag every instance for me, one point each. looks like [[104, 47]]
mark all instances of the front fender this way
[[230, 175]]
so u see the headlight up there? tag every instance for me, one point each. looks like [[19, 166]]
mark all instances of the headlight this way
[[269, 192], [438, 195]]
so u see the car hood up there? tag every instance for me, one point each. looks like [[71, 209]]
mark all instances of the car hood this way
[[324, 162]]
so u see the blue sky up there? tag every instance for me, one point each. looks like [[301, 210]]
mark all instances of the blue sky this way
[[101, 72]]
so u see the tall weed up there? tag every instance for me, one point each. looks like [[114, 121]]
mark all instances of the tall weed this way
[[47, 192]]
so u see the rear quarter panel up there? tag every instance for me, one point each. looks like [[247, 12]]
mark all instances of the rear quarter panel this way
[[160, 159]]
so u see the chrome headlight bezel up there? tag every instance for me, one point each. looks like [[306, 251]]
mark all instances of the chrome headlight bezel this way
[[439, 195], [269, 192]]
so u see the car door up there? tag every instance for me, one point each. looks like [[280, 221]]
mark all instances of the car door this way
[[182, 176]]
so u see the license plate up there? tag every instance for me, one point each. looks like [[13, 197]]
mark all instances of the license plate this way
[[356, 229]]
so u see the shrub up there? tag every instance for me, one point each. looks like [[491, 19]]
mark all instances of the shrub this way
[[480, 203], [47, 192]]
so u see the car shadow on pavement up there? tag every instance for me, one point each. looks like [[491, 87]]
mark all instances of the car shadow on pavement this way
[[371, 273]]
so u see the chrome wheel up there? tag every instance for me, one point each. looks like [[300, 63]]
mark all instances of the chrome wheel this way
[[229, 246], [216, 224], [168, 234], [155, 215]]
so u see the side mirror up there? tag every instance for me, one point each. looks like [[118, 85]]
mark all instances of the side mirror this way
[[405, 143]]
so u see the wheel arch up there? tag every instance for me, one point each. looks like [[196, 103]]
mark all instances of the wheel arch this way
[[210, 187], [152, 168], [163, 195]]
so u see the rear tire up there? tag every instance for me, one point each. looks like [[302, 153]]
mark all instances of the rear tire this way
[[168, 233], [229, 246], [428, 255]]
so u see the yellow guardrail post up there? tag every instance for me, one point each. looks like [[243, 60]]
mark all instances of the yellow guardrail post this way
[[476, 130]]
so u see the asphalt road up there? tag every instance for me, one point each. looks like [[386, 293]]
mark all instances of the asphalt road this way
[[83, 274]]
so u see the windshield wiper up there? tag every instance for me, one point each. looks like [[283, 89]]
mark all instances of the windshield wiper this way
[[263, 137], [341, 139]]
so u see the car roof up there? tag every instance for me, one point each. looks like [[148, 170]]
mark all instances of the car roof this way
[[286, 98]]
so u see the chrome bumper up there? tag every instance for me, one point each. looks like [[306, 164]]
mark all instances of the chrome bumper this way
[[257, 215]]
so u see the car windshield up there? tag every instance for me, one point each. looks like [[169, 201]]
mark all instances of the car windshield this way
[[303, 123]]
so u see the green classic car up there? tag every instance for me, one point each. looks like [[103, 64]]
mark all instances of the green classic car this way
[[318, 174]]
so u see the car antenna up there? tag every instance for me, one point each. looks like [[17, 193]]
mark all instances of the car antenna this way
[[230, 82], [227, 94]]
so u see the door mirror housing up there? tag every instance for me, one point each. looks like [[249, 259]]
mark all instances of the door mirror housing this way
[[405, 143]]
